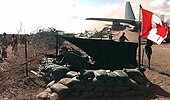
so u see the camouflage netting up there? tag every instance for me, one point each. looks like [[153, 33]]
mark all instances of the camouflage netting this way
[[91, 83]]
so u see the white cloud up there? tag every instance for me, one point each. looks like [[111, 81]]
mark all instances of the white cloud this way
[[66, 15], [157, 3], [161, 7], [35, 13], [168, 2], [111, 11]]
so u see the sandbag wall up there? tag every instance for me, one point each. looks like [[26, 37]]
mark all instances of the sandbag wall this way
[[94, 83]]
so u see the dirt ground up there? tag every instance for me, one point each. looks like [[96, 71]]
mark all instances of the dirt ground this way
[[14, 85], [159, 74]]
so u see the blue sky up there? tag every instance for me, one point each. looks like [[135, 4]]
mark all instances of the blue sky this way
[[67, 15]]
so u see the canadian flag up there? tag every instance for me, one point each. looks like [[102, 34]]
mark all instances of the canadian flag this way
[[153, 28]]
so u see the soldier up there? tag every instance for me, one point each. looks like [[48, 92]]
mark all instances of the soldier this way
[[123, 38], [14, 44], [72, 60], [148, 50], [4, 45]]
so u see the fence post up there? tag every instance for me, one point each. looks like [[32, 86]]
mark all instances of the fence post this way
[[26, 56], [57, 43]]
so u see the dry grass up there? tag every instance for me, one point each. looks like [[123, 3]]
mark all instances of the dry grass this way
[[13, 81]]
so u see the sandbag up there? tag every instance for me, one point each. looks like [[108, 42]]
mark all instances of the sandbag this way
[[48, 90], [81, 87], [54, 96], [137, 76], [100, 89], [87, 75], [59, 72], [120, 89], [122, 77], [49, 67], [43, 95], [119, 83], [43, 60], [50, 83], [60, 89], [101, 74], [111, 83], [121, 74], [71, 85], [65, 81], [71, 74], [112, 75], [88, 95], [76, 94], [112, 79], [134, 86], [97, 82], [72, 81], [133, 93]]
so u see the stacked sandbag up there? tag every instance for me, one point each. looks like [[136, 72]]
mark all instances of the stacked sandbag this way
[[136, 75], [60, 89], [98, 83], [46, 60], [59, 72], [71, 74], [53, 72], [139, 80], [44, 95]]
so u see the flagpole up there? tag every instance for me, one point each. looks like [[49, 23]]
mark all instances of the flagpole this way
[[139, 42]]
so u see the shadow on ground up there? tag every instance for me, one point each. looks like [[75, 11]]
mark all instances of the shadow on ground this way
[[158, 91]]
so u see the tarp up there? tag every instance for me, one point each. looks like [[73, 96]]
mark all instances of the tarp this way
[[107, 54]]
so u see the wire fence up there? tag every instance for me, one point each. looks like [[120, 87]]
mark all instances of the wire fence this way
[[27, 56]]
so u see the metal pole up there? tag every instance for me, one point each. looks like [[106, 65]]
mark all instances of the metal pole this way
[[26, 57], [139, 42], [143, 56], [59, 41], [57, 44]]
